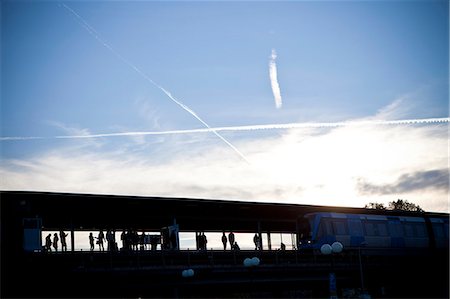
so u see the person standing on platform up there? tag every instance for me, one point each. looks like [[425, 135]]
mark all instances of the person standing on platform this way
[[205, 241], [62, 237], [91, 241], [101, 237], [55, 241], [48, 242], [109, 240], [123, 237], [224, 241], [236, 246], [231, 239], [256, 241]]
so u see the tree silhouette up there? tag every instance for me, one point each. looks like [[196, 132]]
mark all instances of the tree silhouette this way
[[398, 205], [375, 205], [404, 205]]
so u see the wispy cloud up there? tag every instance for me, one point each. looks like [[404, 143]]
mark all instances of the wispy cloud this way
[[274, 80], [298, 165], [433, 179], [68, 129]]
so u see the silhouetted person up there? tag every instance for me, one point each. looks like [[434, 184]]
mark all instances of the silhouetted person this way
[[283, 247], [91, 241], [201, 242], [197, 240], [256, 241], [134, 239], [127, 240], [231, 239], [109, 240], [224, 241], [154, 243], [100, 238], [236, 246], [113, 240], [123, 239], [55, 241], [141, 241], [62, 236], [205, 241], [48, 242]]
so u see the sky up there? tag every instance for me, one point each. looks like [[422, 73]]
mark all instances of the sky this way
[[318, 102]]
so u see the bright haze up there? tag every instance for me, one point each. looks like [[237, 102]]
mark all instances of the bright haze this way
[[97, 68]]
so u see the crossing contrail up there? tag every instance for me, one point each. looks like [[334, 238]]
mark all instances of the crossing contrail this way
[[274, 80], [95, 34], [422, 121]]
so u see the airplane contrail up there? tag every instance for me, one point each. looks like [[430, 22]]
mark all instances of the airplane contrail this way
[[248, 128], [95, 34], [274, 80]]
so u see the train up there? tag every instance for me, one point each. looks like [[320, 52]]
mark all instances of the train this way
[[376, 230]]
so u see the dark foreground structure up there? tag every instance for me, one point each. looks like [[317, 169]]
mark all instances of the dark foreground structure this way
[[386, 254]]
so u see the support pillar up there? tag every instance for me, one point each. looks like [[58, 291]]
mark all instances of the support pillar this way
[[72, 237], [260, 236]]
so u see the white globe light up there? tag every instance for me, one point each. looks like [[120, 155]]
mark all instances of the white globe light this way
[[326, 249], [185, 273], [255, 261], [337, 247], [248, 262], [190, 272]]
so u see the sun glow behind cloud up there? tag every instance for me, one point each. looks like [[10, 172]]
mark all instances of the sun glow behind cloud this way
[[344, 166]]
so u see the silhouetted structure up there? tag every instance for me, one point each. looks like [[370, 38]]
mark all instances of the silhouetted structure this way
[[26, 216]]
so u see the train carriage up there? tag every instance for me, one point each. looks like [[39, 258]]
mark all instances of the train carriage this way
[[377, 231]]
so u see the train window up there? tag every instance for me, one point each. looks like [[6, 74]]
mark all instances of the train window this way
[[355, 227], [382, 229], [370, 228], [438, 230], [409, 230], [375, 228], [340, 228], [420, 230], [322, 229], [325, 227], [395, 229]]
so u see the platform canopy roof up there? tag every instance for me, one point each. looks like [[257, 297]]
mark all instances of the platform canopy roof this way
[[89, 211]]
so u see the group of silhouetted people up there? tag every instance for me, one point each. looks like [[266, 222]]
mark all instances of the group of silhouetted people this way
[[53, 242], [233, 244], [201, 240], [130, 239]]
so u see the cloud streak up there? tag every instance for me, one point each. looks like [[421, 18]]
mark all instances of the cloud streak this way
[[274, 80], [297, 166], [434, 179], [95, 34], [418, 121]]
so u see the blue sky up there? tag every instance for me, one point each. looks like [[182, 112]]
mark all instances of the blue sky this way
[[336, 61]]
